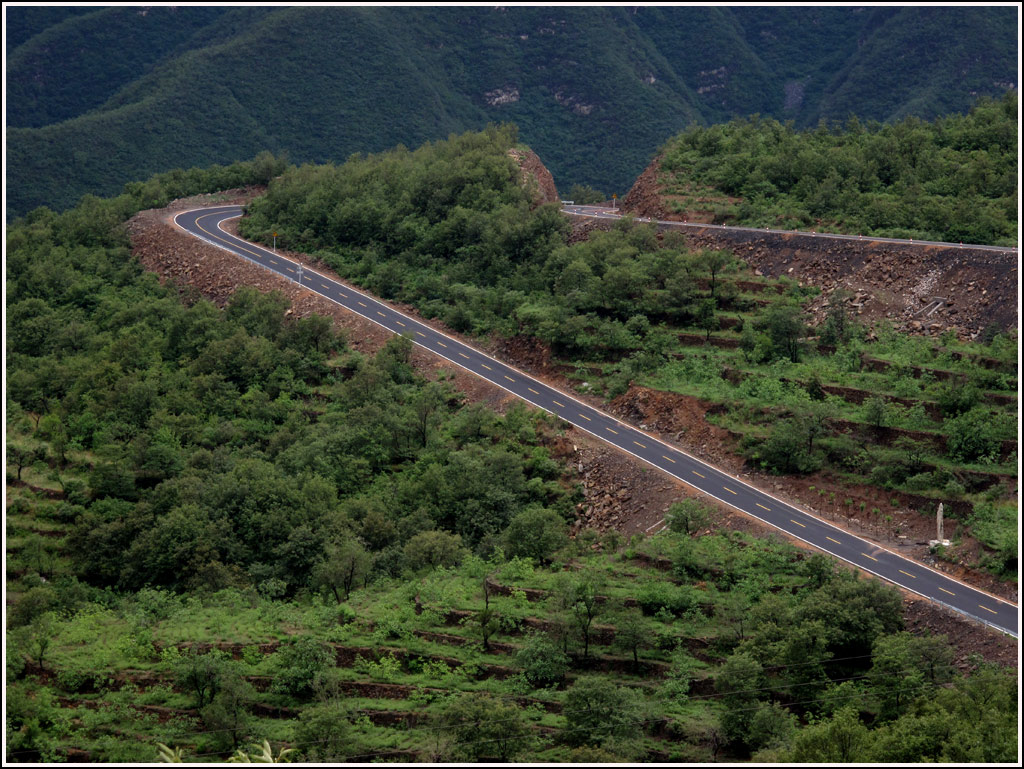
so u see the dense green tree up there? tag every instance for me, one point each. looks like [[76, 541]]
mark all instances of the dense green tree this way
[[740, 682], [543, 663], [536, 533], [688, 516], [482, 727], [597, 710], [300, 665]]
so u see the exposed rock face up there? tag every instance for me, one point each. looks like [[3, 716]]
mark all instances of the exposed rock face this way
[[923, 289], [534, 172], [499, 96]]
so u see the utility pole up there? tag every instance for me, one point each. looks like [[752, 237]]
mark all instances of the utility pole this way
[[275, 242]]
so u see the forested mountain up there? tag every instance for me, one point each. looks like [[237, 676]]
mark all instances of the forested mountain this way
[[96, 99]]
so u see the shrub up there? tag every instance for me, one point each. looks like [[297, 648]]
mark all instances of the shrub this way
[[543, 663]]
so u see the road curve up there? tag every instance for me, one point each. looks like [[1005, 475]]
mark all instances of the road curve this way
[[603, 212], [205, 224]]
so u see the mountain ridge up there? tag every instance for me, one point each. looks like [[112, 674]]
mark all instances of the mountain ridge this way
[[594, 91]]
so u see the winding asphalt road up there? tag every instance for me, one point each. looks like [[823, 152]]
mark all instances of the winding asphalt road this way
[[603, 212], [206, 224]]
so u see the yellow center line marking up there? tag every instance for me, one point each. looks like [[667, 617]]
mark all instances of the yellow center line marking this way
[[987, 609], [508, 378], [907, 573], [638, 443], [273, 261], [442, 344], [946, 591], [869, 556], [381, 314], [486, 366], [400, 323], [763, 507], [464, 355], [361, 304], [616, 432], [421, 333], [833, 540], [668, 458], [728, 489], [343, 296], [802, 525], [533, 391], [289, 269], [324, 285], [697, 474], [586, 417], [560, 405]]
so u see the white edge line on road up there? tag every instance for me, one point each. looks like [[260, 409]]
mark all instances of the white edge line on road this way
[[640, 432]]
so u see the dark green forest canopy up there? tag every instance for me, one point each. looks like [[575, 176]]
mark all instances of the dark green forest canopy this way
[[594, 90], [210, 460], [954, 179]]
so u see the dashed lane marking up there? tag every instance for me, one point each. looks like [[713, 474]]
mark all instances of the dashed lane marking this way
[[533, 391], [802, 525], [381, 314], [833, 540], [697, 474], [946, 591], [464, 355], [361, 304], [324, 285], [638, 443], [586, 417], [421, 334], [486, 367], [983, 606], [729, 490], [907, 573], [509, 378], [442, 343], [400, 323], [763, 507], [869, 556], [668, 458], [614, 432], [560, 405]]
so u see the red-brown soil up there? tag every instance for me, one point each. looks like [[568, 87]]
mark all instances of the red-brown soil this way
[[535, 172], [620, 492]]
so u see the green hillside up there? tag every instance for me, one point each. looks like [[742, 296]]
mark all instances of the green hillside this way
[[951, 179], [594, 90]]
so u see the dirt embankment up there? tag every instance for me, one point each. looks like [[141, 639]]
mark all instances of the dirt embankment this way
[[534, 172], [619, 492], [898, 282]]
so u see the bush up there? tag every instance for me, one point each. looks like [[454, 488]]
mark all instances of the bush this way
[[300, 664], [597, 710], [971, 437], [543, 663]]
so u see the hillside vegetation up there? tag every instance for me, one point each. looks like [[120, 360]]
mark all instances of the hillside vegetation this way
[[449, 229], [226, 528], [594, 90], [953, 179]]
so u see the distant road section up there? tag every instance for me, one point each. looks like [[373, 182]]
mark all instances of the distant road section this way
[[205, 224], [603, 212]]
